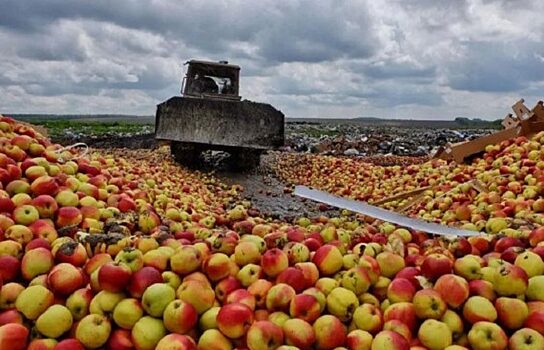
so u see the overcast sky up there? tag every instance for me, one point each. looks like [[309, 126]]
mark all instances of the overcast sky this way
[[340, 58]]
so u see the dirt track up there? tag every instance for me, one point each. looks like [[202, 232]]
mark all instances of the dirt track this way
[[264, 190]]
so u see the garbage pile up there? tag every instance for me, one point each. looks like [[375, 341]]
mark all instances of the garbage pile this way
[[364, 140]]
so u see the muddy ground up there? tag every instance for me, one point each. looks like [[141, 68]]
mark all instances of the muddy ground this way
[[266, 193]]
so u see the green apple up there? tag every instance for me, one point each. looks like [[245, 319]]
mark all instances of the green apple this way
[[55, 321], [134, 258], [33, 301], [208, 318], [147, 332], [104, 302], [435, 335], [171, 278], [127, 312], [530, 262], [156, 297], [93, 331]]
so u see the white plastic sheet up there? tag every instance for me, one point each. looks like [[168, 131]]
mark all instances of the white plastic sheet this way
[[381, 214]]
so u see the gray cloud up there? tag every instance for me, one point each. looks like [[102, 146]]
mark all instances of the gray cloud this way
[[342, 58]]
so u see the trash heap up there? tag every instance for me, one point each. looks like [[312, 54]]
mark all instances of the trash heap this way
[[360, 140]]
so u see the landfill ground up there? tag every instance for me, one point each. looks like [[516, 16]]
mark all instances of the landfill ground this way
[[380, 145]]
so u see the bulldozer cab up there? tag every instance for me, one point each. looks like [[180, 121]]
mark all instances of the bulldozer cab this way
[[214, 80]]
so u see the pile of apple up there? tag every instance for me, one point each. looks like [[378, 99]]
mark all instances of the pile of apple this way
[[126, 250], [508, 200]]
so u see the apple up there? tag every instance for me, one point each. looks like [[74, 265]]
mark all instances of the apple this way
[[482, 288], [478, 309], [526, 339], [242, 296], [114, 276], [196, 293], [293, 277], [71, 252], [428, 303], [279, 297], [359, 340], [142, 279], [274, 261], [389, 340], [176, 341], [93, 331], [389, 263], [297, 253], [309, 271], [531, 263], [264, 335], [37, 243], [127, 312], [21, 198], [67, 198], [225, 287], [69, 344], [305, 307], [356, 280], [248, 274], [44, 185], [208, 320], [398, 327], [179, 317], [436, 265], [342, 302], [10, 268], [537, 235], [64, 279], [510, 280], [156, 297], [42, 344], [132, 257], [487, 335], [54, 321], [468, 267], [9, 294], [434, 335], [33, 301], [95, 262], [25, 214], [535, 321], [212, 339], [10, 316], [19, 233], [120, 339], [454, 322], [147, 333], [535, 289], [299, 333], [404, 312], [511, 312], [187, 259], [68, 216], [399, 290], [35, 171], [246, 253], [217, 266], [368, 317], [78, 303], [329, 332], [13, 336], [453, 289], [233, 320], [45, 205], [104, 302]]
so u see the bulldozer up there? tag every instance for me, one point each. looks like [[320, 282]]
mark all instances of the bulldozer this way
[[211, 115]]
